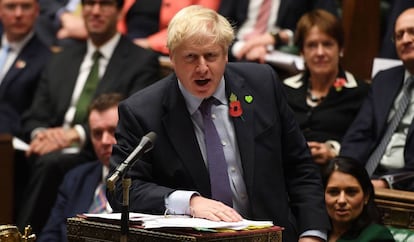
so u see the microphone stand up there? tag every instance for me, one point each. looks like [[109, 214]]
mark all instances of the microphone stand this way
[[126, 184]]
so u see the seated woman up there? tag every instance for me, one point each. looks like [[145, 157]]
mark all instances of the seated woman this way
[[349, 199], [325, 98]]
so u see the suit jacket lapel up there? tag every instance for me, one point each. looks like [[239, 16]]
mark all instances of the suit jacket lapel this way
[[115, 64], [179, 127], [19, 65], [387, 95], [244, 125], [71, 69]]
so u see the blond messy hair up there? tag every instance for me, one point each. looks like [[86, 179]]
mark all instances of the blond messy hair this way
[[200, 25]]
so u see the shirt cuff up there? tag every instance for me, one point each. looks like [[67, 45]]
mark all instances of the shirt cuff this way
[[336, 147], [315, 233], [35, 132], [178, 202], [82, 134]]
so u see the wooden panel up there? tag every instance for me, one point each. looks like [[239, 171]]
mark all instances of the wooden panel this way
[[361, 21], [6, 179], [82, 230], [396, 207]]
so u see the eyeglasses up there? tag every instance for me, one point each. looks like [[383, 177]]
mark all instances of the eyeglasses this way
[[101, 3], [399, 35]]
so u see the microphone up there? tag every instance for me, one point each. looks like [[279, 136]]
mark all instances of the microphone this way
[[145, 145]]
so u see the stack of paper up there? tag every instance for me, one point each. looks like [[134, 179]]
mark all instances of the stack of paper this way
[[172, 221]]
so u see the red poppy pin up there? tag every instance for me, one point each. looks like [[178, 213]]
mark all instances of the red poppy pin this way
[[339, 83], [235, 108]]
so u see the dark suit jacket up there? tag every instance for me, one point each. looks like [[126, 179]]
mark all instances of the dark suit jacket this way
[[282, 182], [288, 14], [75, 197], [369, 126], [331, 119], [16, 88], [130, 68], [46, 24]]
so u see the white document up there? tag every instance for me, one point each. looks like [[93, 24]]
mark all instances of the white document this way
[[382, 64], [289, 62], [179, 221], [188, 222], [19, 144]]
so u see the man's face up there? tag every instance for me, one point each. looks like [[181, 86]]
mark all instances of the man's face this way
[[18, 17], [199, 67], [102, 126], [100, 18], [404, 36]]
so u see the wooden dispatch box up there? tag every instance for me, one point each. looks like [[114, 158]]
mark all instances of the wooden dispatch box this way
[[81, 229]]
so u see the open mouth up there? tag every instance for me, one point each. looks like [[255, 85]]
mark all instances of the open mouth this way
[[202, 82]]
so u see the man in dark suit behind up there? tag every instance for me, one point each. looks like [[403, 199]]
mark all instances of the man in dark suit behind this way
[[369, 127], [76, 193], [25, 61], [270, 170], [58, 140]]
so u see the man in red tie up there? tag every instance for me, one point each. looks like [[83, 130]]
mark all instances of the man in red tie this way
[[263, 25]]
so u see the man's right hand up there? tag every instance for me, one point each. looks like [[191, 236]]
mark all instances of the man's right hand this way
[[73, 26], [202, 207]]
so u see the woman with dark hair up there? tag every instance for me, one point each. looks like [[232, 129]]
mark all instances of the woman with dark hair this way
[[349, 199], [325, 98]]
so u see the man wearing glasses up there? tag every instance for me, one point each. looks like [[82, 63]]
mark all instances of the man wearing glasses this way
[[56, 123], [382, 133]]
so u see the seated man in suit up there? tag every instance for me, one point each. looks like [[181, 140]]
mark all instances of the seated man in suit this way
[[80, 185], [22, 58], [227, 147], [381, 134], [56, 122]]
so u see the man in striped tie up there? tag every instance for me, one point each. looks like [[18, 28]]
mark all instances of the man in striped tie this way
[[381, 135], [82, 190]]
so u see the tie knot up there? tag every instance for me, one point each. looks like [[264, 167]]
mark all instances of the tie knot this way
[[96, 55], [205, 106], [6, 47]]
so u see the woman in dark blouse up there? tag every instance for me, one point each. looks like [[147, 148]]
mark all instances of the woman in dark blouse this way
[[325, 98]]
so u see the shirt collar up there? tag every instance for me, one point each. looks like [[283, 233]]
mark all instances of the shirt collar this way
[[193, 102], [106, 49], [297, 81], [17, 46], [105, 172]]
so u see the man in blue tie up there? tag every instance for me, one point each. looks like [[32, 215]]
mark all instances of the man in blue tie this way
[[22, 58], [381, 135], [228, 145], [81, 184]]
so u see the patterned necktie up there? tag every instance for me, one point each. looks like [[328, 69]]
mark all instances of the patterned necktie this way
[[88, 90], [376, 156], [262, 19], [99, 201], [217, 165]]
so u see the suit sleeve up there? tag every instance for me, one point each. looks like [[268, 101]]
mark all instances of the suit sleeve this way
[[360, 137], [302, 176]]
